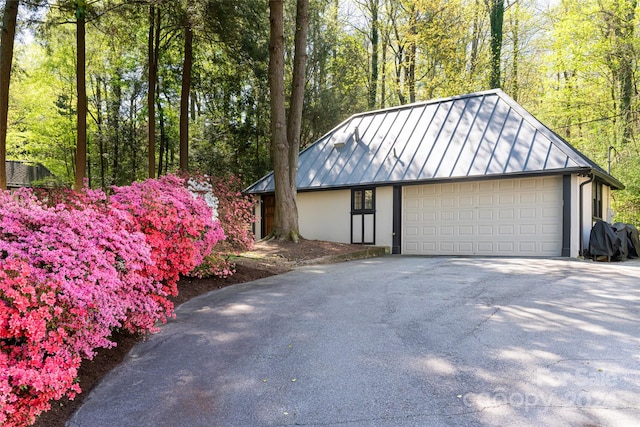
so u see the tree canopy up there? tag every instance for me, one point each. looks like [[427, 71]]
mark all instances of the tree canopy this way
[[572, 63]]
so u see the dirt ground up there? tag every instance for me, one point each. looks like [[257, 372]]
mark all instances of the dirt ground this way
[[265, 259]]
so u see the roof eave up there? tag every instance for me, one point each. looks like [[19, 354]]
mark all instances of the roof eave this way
[[606, 178]]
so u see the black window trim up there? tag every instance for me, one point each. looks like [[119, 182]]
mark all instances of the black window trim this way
[[363, 212]]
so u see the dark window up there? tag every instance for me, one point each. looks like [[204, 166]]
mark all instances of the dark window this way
[[597, 200], [363, 200]]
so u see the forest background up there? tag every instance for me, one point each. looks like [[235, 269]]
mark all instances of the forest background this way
[[571, 63]]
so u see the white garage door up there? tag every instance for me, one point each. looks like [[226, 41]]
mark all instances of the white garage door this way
[[514, 217]]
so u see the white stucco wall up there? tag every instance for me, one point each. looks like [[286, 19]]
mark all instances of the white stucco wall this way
[[574, 248], [384, 216], [325, 215], [257, 225]]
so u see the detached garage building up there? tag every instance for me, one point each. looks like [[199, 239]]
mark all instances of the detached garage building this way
[[469, 175]]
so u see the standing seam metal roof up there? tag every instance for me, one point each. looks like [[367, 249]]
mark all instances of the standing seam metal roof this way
[[484, 134]]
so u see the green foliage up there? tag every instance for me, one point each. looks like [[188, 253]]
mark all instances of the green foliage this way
[[572, 65]]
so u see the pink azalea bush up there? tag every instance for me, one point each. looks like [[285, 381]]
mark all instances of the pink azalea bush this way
[[71, 274], [178, 226], [76, 266], [235, 212], [36, 362]]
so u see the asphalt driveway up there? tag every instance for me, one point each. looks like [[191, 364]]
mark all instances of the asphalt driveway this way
[[393, 341]]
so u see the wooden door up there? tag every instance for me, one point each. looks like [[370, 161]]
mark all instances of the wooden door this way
[[268, 212]]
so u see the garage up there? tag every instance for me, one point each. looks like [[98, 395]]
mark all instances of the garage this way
[[471, 175], [512, 217]]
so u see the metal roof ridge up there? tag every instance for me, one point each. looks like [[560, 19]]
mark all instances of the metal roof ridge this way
[[430, 101]]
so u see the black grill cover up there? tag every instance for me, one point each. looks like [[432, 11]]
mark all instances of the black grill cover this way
[[604, 241]]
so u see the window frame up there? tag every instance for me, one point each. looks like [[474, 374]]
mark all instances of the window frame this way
[[362, 208], [363, 205], [597, 202]]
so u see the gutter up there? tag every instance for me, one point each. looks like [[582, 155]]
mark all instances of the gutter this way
[[581, 213]]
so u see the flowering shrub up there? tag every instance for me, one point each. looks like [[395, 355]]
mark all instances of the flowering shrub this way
[[178, 225], [71, 273], [89, 248], [36, 364], [74, 266], [235, 212]]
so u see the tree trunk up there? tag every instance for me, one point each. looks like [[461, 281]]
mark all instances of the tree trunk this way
[[383, 78], [515, 24], [100, 135], [399, 67], [284, 152], [81, 143], [6, 58], [411, 54], [373, 86], [114, 113], [496, 16], [475, 40], [627, 56], [153, 42], [132, 137], [298, 80], [184, 97], [163, 139]]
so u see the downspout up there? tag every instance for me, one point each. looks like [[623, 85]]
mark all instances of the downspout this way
[[580, 208]]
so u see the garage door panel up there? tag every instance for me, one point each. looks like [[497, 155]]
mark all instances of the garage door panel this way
[[465, 230], [429, 247], [466, 201], [413, 203], [413, 217], [412, 232], [446, 246], [448, 215], [551, 229], [509, 213], [447, 202], [466, 247], [447, 230], [429, 203], [549, 213], [502, 217], [527, 229], [486, 185], [485, 230], [505, 246], [551, 197], [527, 198], [430, 216], [485, 247], [506, 230], [528, 183], [527, 247], [527, 213], [507, 185], [466, 215], [485, 200], [506, 199], [429, 231], [485, 214]]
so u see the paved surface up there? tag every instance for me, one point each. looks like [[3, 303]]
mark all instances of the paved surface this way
[[393, 341]]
